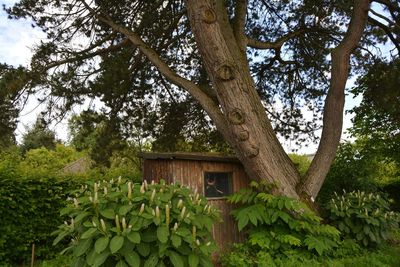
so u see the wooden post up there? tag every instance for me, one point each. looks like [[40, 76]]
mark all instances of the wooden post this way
[[33, 255]]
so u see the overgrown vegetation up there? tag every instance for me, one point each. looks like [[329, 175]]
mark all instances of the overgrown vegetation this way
[[29, 211], [32, 190], [118, 223], [363, 217], [285, 232]]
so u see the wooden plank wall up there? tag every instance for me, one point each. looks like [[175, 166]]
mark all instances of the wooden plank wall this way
[[191, 174]]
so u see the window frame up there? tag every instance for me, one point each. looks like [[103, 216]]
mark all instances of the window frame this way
[[230, 183]]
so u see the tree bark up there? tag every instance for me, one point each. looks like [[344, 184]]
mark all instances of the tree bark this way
[[250, 132], [334, 102]]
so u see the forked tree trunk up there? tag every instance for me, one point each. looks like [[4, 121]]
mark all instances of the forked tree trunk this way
[[247, 127], [247, 130]]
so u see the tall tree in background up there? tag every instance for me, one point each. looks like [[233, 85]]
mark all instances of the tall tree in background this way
[[377, 119], [38, 135], [10, 82], [97, 134], [238, 59]]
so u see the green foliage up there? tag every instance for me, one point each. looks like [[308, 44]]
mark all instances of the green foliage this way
[[356, 168], [377, 119], [118, 223], [28, 211], [58, 261], [45, 162], [363, 217], [135, 90], [11, 80], [278, 226], [37, 136], [393, 189], [302, 162], [384, 257]]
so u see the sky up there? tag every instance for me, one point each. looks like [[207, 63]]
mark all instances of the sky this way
[[18, 37]]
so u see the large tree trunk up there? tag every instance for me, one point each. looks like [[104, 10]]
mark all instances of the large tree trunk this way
[[248, 130]]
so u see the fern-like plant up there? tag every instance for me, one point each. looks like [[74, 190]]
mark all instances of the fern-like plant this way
[[280, 226]]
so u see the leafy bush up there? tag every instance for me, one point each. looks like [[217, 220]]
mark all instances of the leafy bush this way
[[302, 163], [393, 189], [364, 217], [351, 170], [28, 211], [277, 227], [118, 223]]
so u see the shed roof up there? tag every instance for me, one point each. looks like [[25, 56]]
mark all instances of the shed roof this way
[[197, 156]]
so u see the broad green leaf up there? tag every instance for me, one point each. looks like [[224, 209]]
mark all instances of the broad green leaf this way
[[134, 237], [79, 262], [66, 210], [242, 222], [82, 247], [281, 203], [101, 244], [100, 259], [81, 216], [253, 218], [176, 259], [91, 257], [193, 260], [206, 262], [162, 234], [149, 236], [127, 248], [121, 263], [108, 213], [176, 240], [124, 210], [66, 249], [89, 233], [143, 249], [162, 248], [133, 259], [288, 204], [116, 243], [151, 261], [60, 237]]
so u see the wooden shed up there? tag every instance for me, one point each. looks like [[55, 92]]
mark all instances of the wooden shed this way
[[214, 175]]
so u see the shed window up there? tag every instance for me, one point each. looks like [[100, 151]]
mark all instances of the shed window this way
[[217, 184]]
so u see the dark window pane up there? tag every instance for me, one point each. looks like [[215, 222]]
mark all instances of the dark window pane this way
[[217, 184]]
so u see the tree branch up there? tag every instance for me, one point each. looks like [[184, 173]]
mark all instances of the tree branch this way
[[239, 24], [387, 31], [83, 56], [274, 45], [208, 104], [334, 102]]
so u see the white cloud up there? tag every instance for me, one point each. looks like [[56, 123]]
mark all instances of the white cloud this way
[[17, 38]]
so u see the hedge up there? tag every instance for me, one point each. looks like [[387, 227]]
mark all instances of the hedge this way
[[29, 212]]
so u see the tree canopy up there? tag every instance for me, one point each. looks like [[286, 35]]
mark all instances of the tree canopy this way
[[38, 135], [377, 119], [247, 68]]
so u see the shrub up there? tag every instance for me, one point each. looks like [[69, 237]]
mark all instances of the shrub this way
[[277, 227], [302, 163], [28, 213], [364, 217], [118, 223], [392, 189]]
